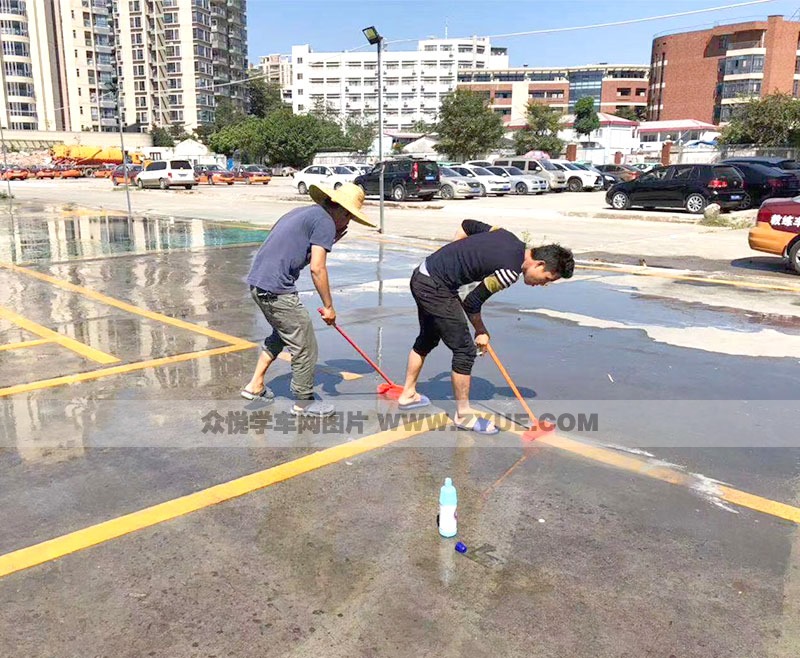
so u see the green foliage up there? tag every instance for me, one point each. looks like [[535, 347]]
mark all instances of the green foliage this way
[[226, 113], [770, 121], [263, 98], [541, 131], [360, 134], [161, 137], [637, 114], [177, 132], [586, 120], [423, 127], [467, 127]]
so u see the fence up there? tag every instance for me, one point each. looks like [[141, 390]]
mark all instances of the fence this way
[[710, 154]]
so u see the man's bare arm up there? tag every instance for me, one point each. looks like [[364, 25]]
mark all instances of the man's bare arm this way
[[319, 275]]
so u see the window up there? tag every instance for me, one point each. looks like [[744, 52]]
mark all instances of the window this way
[[170, 19], [624, 91], [743, 64], [136, 23], [299, 76], [138, 70], [138, 55], [172, 51], [741, 88], [299, 60], [682, 173], [641, 92], [18, 49], [430, 49]]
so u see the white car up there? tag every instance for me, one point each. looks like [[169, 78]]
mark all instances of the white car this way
[[490, 183], [323, 175], [521, 182], [579, 179], [357, 168], [166, 174]]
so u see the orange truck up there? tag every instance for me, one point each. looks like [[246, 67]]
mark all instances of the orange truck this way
[[89, 159]]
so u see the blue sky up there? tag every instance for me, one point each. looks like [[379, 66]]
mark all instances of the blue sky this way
[[275, 25]]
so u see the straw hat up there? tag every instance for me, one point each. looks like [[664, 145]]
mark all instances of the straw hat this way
[[349, 196]]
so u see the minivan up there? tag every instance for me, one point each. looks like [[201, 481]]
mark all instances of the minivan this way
[[166, 174], [557, 178]]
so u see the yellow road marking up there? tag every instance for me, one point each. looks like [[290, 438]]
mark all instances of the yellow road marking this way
[[130, 308], [58, 547], [119, 370], [634, 464], [686, 277], [50, 335], [24, 343]]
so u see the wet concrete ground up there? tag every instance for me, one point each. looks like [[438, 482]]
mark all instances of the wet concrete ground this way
[[631, 550]]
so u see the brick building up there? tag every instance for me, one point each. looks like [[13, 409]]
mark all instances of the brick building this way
[[704, 74], [510, 90]]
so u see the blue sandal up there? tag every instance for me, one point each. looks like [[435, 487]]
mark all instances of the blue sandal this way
[[481, 426], [423, 401]]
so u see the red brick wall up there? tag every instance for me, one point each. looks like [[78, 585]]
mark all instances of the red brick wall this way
[[692, 71]]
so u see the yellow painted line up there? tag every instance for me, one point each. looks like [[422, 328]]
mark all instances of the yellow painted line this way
[[58, 547], [119, 370], [686, 277], [65, 341], [24, 343], [130, 308], [639, 466], [344, 374]]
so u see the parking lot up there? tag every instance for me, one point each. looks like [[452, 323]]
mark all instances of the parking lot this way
[[148, 511]]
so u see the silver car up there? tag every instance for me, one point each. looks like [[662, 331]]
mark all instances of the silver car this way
[[455, 186], [521, 183], [490, 183]]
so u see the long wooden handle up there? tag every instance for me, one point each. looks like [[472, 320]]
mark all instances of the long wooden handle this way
[[360, 351], [513, 386]]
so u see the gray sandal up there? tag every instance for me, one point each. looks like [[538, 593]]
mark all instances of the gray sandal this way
[[266, 394], [316, 409]]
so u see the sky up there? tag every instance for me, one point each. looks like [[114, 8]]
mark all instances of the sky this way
[[274, 26]]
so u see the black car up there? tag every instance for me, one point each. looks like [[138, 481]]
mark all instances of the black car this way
[[681, 186], [762, 182], [786, 164], [402, 179]]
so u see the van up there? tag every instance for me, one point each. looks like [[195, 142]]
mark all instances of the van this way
[[166, 174], [556, 177]]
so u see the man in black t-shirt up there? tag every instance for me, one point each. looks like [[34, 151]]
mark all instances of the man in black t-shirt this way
[[494, 258]]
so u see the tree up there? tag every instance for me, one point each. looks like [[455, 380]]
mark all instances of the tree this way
[[360, 133], [586, 120], [250, 137], [263, 97], [540, 132], [226, 113], [423, 127], [467, 127], [161, 137], [770, 121], [294, 139], [630, 113], [177, 132]]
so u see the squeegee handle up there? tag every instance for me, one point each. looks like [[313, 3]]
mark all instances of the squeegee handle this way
[[511, 383], [360, 351]]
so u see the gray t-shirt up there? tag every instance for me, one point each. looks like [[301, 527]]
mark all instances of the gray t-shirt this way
[[287, 249]]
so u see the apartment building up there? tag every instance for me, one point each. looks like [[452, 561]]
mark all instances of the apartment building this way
[[170, 59], [705, 74], [509, 90], [414, 81]]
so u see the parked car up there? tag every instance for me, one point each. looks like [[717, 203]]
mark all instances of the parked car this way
[[786, 164], [252, 174], [403, 178], [608, 179], [489, 183], [777, 230], [68, 172], [556, 178], [356, 168], [324, 175], [478, 163], [166, 174], [681, 186], [284, 171], [455, 186], [45, 173], [213, 175], [762, 182], [521, 183], [104, 172], [579, 179], [625, 172], [118, 175], [644, 167], [15, 173]]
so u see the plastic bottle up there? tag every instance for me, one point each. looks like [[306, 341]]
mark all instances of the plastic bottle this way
[[448, 517]]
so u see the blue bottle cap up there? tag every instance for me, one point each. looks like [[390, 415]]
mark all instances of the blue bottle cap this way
[[461, 548]]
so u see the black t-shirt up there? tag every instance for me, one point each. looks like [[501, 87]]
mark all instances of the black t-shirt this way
[[489, 255]]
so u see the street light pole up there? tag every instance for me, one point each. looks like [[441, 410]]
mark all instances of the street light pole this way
[[381, 191], [375, 39], [124, 157], [5, 161]]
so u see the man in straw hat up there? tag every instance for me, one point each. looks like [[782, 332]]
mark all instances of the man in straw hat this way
[[303, 236]]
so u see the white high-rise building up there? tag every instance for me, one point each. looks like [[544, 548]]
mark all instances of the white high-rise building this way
[[277, 70], [172, 59], [414, 81]]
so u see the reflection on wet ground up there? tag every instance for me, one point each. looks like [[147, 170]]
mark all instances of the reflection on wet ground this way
[[60, 236]]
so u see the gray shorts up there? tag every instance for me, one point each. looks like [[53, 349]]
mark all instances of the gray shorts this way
[[291, 328]]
